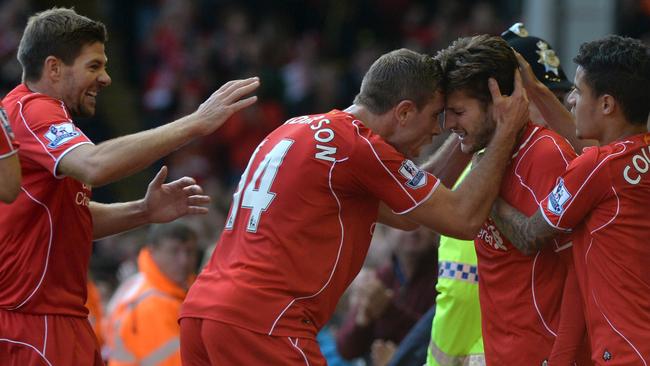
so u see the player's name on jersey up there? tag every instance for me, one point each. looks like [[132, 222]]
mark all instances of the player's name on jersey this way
[[322, 135], [641, 164]]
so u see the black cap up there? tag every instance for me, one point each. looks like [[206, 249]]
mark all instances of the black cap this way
[[540, 55]]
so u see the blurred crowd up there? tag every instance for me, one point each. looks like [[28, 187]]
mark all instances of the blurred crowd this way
[[310, 56]]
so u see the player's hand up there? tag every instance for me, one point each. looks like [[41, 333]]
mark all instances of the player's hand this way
[[527, 75], [165, 202], [225, 102], [509, 112]]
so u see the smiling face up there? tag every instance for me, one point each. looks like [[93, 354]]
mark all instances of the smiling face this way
[[82, 80], [468, 118], [418, 128]]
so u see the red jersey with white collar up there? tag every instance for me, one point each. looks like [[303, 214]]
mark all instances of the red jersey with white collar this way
[[301, 223], [521, 295], [46, 233], [604, 197]]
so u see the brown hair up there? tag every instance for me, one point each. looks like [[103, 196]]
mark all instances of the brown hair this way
[[470, 61], [58, 32], [396, 76]]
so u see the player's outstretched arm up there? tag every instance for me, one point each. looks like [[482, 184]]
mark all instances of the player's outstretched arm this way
[[528, 234], [461, 212], [558, 118], [121, 157], [163, 202], [10, 176]]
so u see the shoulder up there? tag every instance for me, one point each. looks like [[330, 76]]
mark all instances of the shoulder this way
[[546, 142]]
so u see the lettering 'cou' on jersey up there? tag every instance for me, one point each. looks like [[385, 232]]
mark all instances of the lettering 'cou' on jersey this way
[[603, 197]]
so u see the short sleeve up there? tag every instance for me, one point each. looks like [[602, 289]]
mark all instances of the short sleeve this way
[[388, 175], [576, 192], [8, 143], [51, 134]]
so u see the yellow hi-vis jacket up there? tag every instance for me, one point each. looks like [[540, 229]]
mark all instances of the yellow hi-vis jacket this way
[[141, 326]]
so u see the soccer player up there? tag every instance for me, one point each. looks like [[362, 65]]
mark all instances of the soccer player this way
[[9, 165], [46, 234], [303, 215], [520, 296], [602, 198]]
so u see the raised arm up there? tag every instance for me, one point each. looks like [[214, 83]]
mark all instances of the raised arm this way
[[528, 234], [163, 202], [558, 118], [461, 212], [123, 156]]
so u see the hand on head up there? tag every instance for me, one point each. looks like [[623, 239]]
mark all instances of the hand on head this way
[[509, 112]]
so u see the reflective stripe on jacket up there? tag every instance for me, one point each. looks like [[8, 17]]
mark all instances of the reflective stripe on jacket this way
[[142, 327]]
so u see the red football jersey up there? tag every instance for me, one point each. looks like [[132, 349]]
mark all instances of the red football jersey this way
[[604, 197], [521, 295], [46, 233], [8, 145], [300, 225]]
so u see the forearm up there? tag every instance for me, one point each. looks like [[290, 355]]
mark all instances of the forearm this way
[[475, 195], [10, 177], [123, 156], [448, 162], [517, 228], [110, 219], [558, 118]]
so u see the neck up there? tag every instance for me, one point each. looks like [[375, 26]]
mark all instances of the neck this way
[[43, 87], [625, 130], [376, 123]]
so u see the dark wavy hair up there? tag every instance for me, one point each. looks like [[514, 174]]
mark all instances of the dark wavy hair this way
[[619, 66]]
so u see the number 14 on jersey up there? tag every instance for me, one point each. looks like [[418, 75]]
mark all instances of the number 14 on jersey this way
[[256, 195]]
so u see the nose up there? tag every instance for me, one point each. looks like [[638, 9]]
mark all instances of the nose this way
[[104, 79], [449, 121], [571, 98]]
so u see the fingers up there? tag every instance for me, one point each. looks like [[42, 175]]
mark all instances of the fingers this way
[[160, 177], [182, 183], [519, 85], [243, 104], [198, 200], [192, 189], [494, 89], [241, 87], [197, 210]]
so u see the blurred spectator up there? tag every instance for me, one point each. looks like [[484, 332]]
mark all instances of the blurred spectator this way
[[142, 325], [387, 302]]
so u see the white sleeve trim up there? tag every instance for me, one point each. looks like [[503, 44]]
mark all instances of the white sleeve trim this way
[[566, 230], [426, 198], [58, 160], [14, 151]]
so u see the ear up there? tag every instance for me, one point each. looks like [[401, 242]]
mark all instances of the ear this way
[[403, 111], [52, 68], [607, 104]]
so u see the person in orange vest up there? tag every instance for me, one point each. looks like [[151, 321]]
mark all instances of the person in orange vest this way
[[142, 327], [95, 310]]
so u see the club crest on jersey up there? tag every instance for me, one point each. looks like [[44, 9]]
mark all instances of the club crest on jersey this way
[[416, 178], [558, 198], [59, 134]]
